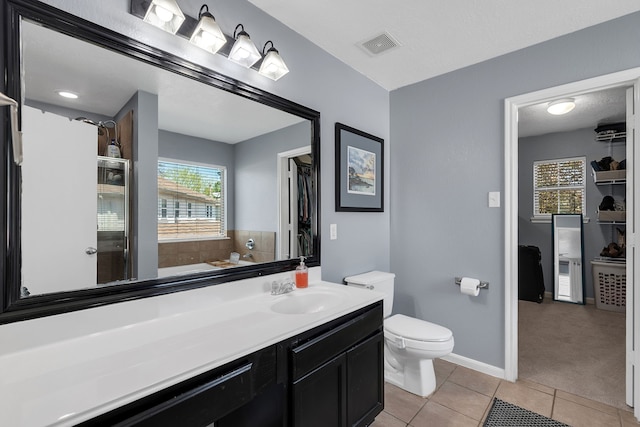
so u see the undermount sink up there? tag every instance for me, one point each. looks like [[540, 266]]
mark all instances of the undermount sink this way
[[304, 301]]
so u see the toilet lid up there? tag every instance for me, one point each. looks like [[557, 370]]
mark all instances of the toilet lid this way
[[416, 329]]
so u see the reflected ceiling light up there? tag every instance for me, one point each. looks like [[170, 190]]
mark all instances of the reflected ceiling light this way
[[208, 34], [561, 106], [272, 65], [243, 52], [165, 14], [67, 94]]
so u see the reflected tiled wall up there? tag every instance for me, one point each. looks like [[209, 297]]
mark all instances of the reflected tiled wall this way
[[265, 245], [171, 254]]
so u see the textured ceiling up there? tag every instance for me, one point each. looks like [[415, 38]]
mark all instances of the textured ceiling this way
[[435, 37], [439, 37], [592, 109]]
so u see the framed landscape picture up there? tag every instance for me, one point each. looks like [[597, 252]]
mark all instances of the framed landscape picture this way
[[359, 171]]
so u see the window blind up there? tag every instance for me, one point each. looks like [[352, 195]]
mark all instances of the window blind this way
[[191, 201], [559, 186]]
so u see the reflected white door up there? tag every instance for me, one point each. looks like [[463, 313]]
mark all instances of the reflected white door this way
[[56, 204], [632, 269]]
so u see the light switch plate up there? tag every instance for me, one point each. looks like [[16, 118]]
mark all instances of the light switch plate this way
[[494, 199], [333, 231]]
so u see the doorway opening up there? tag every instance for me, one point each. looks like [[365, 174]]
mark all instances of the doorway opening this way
[[512, 219]]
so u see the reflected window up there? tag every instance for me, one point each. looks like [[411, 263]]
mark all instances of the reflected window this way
[[559, 187], [163, 208], [199, 187]]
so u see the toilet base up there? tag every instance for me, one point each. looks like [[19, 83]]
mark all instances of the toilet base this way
[[417, 377]]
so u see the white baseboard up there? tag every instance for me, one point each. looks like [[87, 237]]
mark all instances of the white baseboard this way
[[475, 365]]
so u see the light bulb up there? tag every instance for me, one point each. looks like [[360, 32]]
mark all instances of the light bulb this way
[[163, 14]]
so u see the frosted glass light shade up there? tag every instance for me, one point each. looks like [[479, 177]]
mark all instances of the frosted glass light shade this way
[[208, 34], [165, 14], [273, 66], [561, 106], [244, 52]]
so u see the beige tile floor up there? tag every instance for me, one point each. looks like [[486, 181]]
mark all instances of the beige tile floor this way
[[463, 398]]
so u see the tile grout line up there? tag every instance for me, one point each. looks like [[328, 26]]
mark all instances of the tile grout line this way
[[428, 398]]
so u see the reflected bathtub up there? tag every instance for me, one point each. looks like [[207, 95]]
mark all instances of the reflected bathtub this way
[[198, 268]]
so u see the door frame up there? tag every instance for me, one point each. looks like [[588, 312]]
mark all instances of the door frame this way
[[619, 79]]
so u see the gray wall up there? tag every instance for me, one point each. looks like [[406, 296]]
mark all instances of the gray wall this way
[[256, 175], [176, 146], [144, 240], [556, 146], [447, 153], [317, 80]]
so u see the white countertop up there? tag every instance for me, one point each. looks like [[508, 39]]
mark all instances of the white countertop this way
[[64, 369]]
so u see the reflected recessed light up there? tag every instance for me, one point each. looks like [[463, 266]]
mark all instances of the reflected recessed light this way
[[67, 94], [561, 106]]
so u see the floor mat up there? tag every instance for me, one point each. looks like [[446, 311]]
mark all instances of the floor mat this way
[[503, 414]]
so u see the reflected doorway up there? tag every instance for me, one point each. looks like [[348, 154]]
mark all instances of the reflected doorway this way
[[295, 234]]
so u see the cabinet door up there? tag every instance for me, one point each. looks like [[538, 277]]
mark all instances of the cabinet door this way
[[319, 398], [365, 381]]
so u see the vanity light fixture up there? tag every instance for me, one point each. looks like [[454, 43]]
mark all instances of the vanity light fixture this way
[[16, 135], [561, 106], [272, 65], [243, 52], [208, 34], [205, 32], [164, 14]]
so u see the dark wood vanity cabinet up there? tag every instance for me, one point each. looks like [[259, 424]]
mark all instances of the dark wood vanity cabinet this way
[[214, 396], [337, 376], [331, 375]]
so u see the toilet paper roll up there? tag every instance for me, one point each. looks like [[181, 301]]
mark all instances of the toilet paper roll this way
[[469, 286]]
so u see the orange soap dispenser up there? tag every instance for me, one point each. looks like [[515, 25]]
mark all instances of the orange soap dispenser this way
[[302, 275]]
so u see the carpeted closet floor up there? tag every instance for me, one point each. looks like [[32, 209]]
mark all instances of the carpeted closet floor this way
[[575, 348]]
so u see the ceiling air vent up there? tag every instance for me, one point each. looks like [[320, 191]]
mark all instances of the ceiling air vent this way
[[379, 44]]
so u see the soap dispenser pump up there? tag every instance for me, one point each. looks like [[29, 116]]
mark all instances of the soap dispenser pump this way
[[302, 275]]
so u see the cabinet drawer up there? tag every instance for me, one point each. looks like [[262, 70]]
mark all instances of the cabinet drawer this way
[[200, 400], [202, 404], [327, 345]]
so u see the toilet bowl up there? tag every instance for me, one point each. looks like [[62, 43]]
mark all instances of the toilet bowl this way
[[410, 347], [410, 344]]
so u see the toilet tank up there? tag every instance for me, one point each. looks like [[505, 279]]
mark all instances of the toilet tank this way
[[380, 281]]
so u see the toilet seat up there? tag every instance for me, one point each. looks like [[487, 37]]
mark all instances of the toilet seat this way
[[415, 329]]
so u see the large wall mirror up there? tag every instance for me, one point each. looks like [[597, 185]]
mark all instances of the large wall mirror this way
[[160, 176]]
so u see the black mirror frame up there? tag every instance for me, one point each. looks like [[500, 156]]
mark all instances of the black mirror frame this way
[[12, 307]]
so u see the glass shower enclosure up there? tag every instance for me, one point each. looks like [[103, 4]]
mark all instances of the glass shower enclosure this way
[[113, 220]]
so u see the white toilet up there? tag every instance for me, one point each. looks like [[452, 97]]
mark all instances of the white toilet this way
[[410, 344]]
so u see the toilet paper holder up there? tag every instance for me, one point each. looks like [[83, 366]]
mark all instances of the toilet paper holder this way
[[482, 285]]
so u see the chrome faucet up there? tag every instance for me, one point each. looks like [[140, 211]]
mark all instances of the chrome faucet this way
[[282, 287]]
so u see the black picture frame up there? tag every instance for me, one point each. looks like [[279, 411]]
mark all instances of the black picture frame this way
[[359, 170]]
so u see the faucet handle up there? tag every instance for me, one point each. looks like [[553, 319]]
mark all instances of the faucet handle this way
[[275, 287]]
